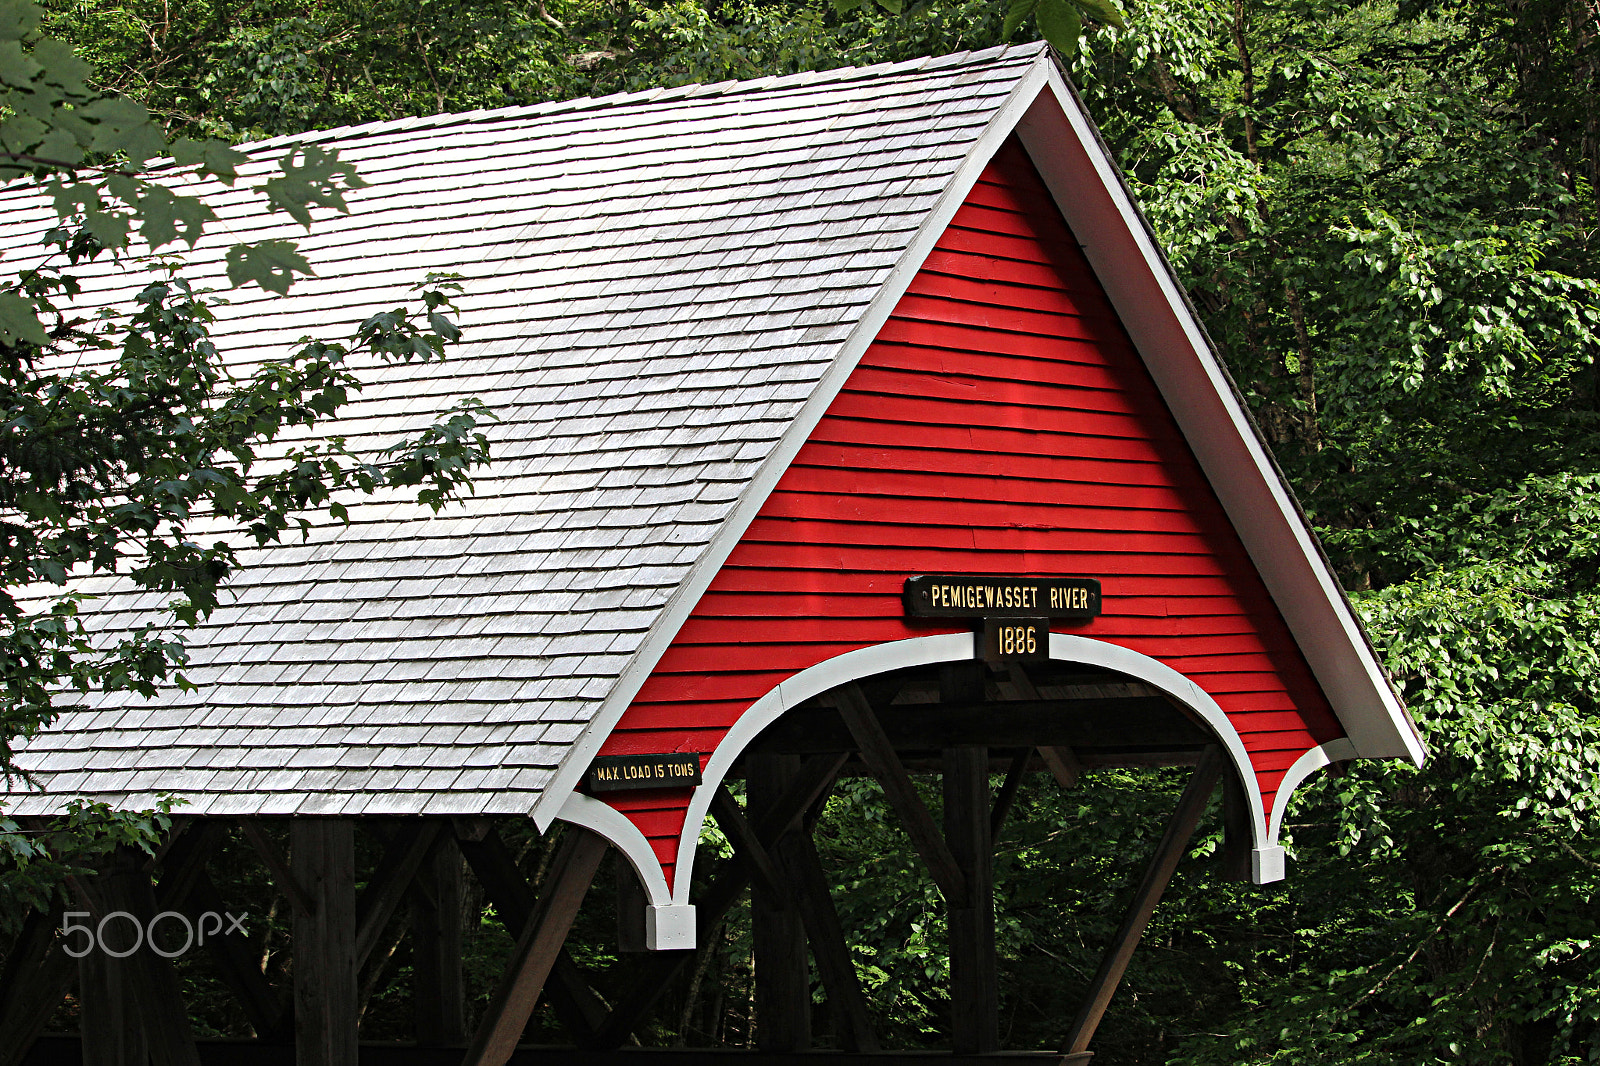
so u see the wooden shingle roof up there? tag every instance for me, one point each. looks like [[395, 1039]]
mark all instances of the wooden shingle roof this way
[[654, 283], [664, 292]]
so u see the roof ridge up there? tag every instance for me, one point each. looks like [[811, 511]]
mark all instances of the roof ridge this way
[[994, 56]]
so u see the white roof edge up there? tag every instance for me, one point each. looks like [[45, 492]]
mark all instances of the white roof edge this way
[[1088, 189], [687, 596]]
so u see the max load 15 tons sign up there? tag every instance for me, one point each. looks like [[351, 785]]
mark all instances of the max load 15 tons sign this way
[[614, 773], [1015, 611]]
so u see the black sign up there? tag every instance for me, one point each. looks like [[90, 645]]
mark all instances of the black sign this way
[[613, 773], [985, 596], [1007, 640]]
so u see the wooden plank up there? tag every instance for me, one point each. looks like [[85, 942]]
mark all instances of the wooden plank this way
[[974, 984], [879, 755], [1191, 805], [386, 889], [829, 946], [439, 999], [512, 1005], [322, 863], [783, 979]]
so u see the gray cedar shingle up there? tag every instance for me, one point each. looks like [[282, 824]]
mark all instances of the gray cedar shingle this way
[[654, 284]]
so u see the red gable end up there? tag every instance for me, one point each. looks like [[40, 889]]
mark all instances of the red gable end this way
[[1001, 422]]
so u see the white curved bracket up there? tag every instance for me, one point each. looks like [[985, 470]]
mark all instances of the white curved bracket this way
[[667, 925], [1333, 751]]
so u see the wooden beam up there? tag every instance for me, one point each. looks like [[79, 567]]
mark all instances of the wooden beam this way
[[439, 997], [1174, 841], [747, 848], [575, 1003], [283, 878], [386, 889], [1063, 765], [1111, 723], [879, 755], [783, 979], [238, 966], [326, 998], [815, 777], [974, 986], [848, 1003], [535, 955], [1007, 796]]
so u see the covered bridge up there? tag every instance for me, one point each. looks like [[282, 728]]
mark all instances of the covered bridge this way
[[848, 422]]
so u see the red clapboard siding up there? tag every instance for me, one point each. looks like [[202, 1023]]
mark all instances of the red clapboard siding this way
[[1000, 423]]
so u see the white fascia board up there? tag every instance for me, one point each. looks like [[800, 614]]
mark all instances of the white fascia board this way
[[754, 497], [1075, 167]]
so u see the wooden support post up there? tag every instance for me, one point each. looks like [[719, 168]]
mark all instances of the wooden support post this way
[[974, 987], [815, 778], [1162, 866], [879, 755], [438, 997], [783, 980], [37, 974], [631, 902], [133, 1009], [322, 864], [1237, 840], [535, 955], [108, 1018]]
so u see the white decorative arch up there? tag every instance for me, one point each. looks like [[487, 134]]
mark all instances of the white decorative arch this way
[[670, 916], [1267, 862]]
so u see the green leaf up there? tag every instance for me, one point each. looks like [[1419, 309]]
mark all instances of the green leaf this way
[[312, 177], [1059, 23], [1103, 11], [19, 321], [212, 156], [18, 18], [16, 66], [841, 7], [891, 6], [270, 264], [120, 125], [167, 217], [1015, 15]]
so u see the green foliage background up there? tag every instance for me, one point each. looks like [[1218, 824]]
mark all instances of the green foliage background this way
[[1385, 212]]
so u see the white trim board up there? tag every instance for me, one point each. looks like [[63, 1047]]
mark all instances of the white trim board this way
[[1066, 150], [687, 596]]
